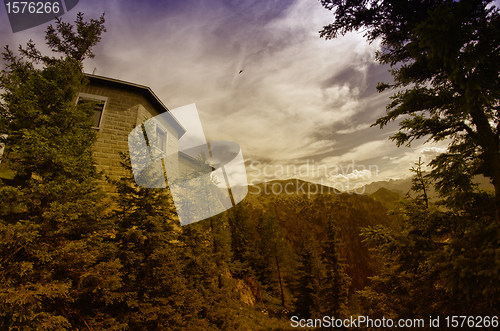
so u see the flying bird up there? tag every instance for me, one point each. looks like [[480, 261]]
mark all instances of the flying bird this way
[[240, 72]]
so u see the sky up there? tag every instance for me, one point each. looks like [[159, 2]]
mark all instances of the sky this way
[[301, 107]]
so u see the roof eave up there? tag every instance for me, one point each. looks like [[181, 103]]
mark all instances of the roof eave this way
[[144, 90]]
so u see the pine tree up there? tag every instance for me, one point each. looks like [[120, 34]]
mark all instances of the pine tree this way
[[243, 240], [277, 257], [208, 271], [208, 252], [58, 266], [439, 263], [155, 289], [335, 287], [420, 184], [310, 274], [446, 63]]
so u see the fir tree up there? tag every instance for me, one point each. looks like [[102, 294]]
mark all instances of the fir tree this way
[[208, 252], [58, 265], [276, 255], [335, 287], [243, 240], [420, 184], [446, 63], [310, 273], [155, 289], [439, 263]]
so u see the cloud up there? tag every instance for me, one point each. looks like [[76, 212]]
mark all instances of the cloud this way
[[280, 102], [430, 153], [298, 98], [365, 151], [355, 175], [353, 129], [401, 160]]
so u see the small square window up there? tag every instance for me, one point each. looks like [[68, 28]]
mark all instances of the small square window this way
[[99, 102]]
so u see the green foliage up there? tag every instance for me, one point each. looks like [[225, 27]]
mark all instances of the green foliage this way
[[277, 257], [243, 241], [154, 288], [336, 283], [420, 184], [59, 268], [310, 275], [209, 270], [445, 64], [440, 263], [45, 133], [77, 45], [445, 61]]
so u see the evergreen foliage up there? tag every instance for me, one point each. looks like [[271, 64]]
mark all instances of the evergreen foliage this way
[[276, 257], [243, 241], [310, 275], [441, 263], [155, 291], [420, 184], [336, 283], [58, 264], [445, 60], [445, 64]]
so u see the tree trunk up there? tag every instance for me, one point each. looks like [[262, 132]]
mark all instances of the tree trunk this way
[[279, 277], [491, 155]]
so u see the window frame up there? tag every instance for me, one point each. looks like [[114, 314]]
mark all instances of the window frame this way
[[165, 140], [98, 98]]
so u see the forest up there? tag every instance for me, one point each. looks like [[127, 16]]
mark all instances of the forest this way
[[72, 257]]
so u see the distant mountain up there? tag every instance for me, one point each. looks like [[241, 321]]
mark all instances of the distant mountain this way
[[386, 197], [402, 186], [288, 187], [399, 186], [302, 208]]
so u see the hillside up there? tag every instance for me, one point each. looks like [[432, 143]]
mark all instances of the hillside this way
[[402, 186], [386, 197], [307, 210]]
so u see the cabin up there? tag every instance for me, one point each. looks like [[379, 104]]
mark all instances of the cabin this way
[[129, 118], [120, 107]]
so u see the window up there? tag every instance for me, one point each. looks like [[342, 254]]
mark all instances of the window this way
[[100, 103], [161, 138]]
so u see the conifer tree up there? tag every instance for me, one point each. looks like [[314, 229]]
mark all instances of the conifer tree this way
[[208, 271], [310, 274], [155, 289], [335, 287], [440, 263], [277, 257], [207, 254], [243, 240], [446, 64], [58, 267], [420, 184]]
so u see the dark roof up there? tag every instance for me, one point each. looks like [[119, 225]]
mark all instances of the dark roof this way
[[145, 91]]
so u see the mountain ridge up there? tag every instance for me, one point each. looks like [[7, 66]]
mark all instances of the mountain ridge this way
[[308, 212]]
